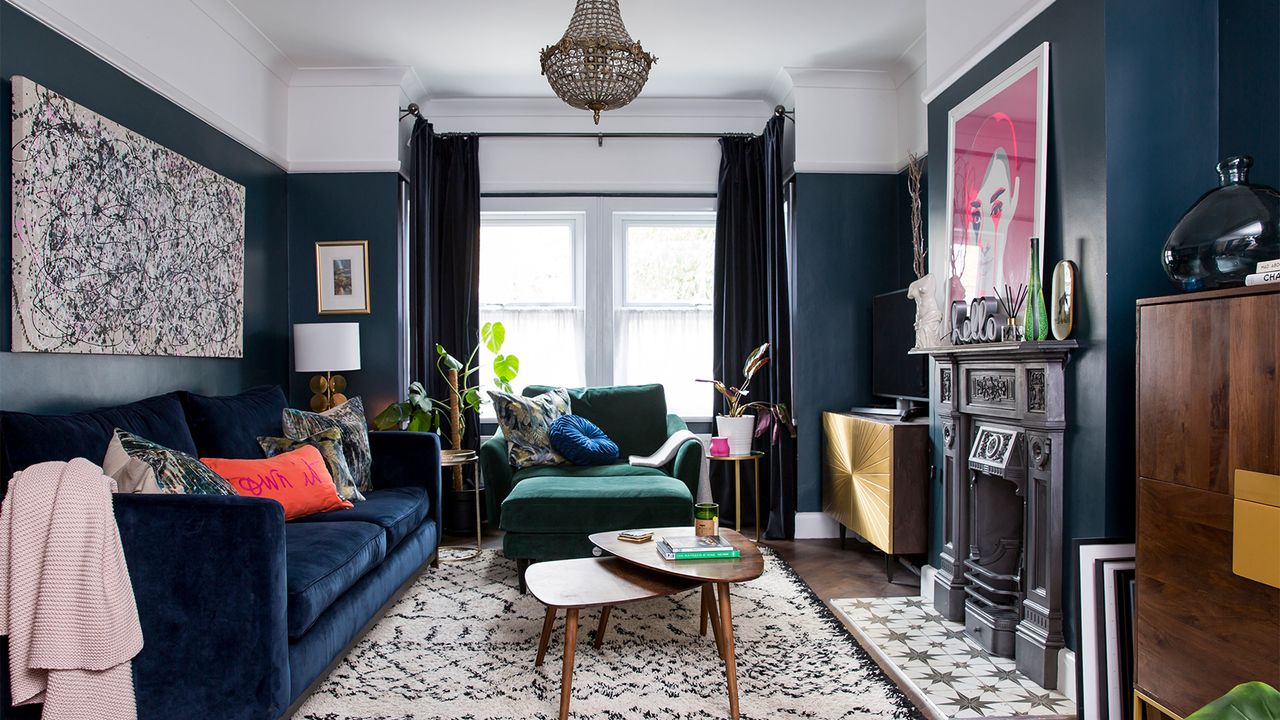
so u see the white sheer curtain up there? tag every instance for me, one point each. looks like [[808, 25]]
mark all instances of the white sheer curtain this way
[[668, 346], [548, 341]]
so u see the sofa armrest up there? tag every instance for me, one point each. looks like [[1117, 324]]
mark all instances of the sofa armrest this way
[[408, 459], [496, 471], [208, 576], [687, 467]]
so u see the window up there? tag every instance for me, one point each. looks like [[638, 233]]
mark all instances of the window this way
[[603, 291]]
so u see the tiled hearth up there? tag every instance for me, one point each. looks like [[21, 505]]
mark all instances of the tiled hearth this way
[[951, 676]]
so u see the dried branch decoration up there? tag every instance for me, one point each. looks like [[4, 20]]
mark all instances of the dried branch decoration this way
[[914, 171]]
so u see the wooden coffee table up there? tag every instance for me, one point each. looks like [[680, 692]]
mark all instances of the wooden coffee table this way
[[714, 576], [591, 582]]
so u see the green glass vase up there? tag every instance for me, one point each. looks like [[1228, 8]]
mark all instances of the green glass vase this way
[[1035, 323]]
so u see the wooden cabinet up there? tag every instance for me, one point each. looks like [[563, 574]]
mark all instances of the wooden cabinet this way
[[875, 479], [1208, 404]]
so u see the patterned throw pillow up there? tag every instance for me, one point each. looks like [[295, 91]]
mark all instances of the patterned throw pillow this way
[[329, 443], [141, 466], [349, 420], [526, 423]]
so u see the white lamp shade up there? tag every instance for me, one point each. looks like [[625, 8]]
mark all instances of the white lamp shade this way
[[326, 347]]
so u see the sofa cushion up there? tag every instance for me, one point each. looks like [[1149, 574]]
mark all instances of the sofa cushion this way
[[633, 416], [29, 439], [581, 442], [551, 504], [322, 561], [526, 424], [349, 419], [398, 510], [329, 443], [228, 426], [586, 471], [141, 466], [298, 480]]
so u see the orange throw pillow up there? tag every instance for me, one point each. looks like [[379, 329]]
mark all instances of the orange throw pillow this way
[[298, 480]]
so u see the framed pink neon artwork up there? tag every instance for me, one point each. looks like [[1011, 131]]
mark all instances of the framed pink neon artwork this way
[[996, 143]]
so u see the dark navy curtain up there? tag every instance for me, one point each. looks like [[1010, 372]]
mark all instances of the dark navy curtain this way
[[752, 306], [444, 250]]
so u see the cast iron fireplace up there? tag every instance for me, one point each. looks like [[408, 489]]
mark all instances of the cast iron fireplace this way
[[1002, 416]]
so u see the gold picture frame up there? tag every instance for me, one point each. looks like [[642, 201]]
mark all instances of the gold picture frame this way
[[342, 277]]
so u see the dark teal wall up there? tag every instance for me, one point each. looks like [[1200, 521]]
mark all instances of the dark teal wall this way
[[1249, 85], [54, 382], [350, 206], [1142, 105], [845, 251]]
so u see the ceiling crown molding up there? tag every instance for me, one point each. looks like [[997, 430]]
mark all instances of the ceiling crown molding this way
[[391, 75], [53, 19], [996, 40], [840, 79], [244, 31]]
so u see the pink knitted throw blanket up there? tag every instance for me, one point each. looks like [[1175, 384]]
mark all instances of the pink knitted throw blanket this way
[[65, 599]]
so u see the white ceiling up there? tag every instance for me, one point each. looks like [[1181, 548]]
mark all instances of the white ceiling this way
[[489, 48]]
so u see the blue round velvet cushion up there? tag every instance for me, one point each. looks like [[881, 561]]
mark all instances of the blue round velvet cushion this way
[[581, 442]]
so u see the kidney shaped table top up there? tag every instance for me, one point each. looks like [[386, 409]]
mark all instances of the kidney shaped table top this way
[[729, 570]]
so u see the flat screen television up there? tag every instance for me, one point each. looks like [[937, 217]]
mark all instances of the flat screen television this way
[[894, 372]]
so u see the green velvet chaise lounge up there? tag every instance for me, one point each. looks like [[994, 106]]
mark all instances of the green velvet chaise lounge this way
[[548, 512]]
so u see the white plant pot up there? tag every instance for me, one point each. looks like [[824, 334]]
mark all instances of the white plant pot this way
[[738, 430]]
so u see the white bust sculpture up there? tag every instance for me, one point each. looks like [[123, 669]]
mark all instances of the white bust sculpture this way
[[928, 316]]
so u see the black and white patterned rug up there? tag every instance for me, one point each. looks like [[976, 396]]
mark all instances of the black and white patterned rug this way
[[461, 644]]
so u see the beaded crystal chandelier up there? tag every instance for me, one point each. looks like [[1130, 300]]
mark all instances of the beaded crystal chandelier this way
[[596, 66]]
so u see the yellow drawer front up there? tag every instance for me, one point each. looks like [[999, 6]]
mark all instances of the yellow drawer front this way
[[1255, 544]]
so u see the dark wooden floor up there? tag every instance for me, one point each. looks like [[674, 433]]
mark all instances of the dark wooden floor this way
[[856, 571]]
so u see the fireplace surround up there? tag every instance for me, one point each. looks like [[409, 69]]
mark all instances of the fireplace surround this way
[[1001, 412]]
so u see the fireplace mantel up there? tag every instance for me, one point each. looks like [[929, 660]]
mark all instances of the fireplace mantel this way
[[1013, 388]]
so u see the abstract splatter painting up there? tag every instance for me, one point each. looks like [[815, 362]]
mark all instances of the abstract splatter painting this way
[[120, 245]]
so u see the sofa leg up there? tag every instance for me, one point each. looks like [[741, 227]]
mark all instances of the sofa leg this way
[[435, 559], [521, 566]]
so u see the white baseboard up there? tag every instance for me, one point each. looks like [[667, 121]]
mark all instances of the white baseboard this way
[[1067, 674], [926, 582], [810, 525]]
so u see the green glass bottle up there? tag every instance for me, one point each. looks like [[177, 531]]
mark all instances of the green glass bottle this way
[[1035, 323]]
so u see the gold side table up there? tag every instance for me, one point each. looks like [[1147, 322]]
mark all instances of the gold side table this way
[[458, 461], [737, 460]]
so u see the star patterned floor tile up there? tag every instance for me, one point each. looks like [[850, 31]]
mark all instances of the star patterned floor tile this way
[[945, 668]]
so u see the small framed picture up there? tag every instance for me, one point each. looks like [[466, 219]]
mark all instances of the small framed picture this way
[[342, 277]]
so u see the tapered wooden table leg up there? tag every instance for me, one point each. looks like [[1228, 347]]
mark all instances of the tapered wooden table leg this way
[[546, 636], [566, 675], [702, 613], [709, 598], [604, 623], [730, 663]]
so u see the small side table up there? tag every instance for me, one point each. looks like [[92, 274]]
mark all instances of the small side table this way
[[448, 460], [737, 461]]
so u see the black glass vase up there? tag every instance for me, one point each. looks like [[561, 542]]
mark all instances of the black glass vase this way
[[1224, 236]]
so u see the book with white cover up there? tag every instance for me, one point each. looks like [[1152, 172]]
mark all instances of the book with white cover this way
[[1268, 266], [1262, 278]]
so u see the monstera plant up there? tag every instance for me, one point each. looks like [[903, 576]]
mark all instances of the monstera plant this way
[[1247, 701], [423, 413]]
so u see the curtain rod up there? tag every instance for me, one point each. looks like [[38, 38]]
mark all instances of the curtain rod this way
[[414, 111]]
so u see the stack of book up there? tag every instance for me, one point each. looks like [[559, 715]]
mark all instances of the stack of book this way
[[1267, 272], [688, 547]]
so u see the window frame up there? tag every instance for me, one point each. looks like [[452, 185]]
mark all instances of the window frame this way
[[599, 259]]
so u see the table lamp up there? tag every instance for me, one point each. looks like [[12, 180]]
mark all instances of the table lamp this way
[[326, 348]]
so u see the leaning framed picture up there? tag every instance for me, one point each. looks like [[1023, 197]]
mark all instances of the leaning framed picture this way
[[997, 143], [342, 277]]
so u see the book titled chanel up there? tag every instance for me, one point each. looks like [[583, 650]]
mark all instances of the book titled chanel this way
[[1263, 278]]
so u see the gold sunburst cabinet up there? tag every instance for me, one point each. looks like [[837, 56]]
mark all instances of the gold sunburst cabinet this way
[[875, 479]]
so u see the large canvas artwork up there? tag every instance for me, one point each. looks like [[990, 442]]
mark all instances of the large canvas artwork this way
[[120, 246], [996, 145]]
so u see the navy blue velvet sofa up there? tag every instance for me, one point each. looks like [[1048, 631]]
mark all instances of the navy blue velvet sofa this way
[[241, 611]]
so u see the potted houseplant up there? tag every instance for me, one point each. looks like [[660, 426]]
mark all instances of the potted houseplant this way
[[739, 424], [448, 416]]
